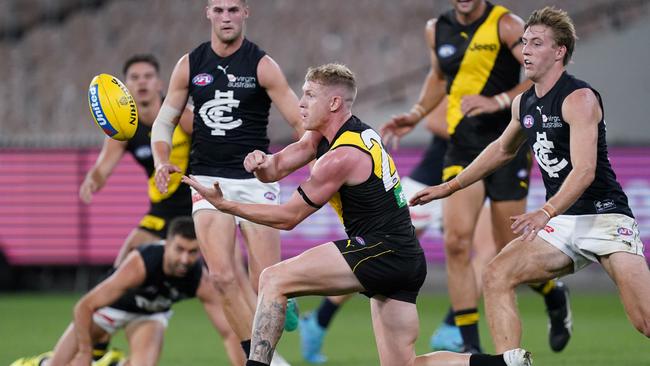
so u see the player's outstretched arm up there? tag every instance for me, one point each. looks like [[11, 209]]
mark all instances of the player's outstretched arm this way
[[109, 156], [431, 94], [328, 175], [495, 155], [273, 80], [129, 275], [166, 121], [273, 167]]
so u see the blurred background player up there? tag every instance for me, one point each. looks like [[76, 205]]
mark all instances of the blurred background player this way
[[313, 325], [231, 83], [138, 297], [475, 60]]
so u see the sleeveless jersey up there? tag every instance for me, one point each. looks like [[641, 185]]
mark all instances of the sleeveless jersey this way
[[231, 110], [158, 291], [377, 206], [178, 195], [474, 61], [548, 136]]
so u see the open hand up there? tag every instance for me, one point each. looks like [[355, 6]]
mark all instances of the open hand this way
[[529, 224], [213, 194], [163, 173], [431, 193], [393, 130]]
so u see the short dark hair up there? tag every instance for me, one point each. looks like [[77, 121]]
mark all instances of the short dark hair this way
[[144, 57], [183, 226]]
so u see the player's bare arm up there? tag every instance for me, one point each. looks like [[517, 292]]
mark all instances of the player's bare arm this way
[[495, 155], [337, 167], [163, 127], [129, 275], [273, 80], [431, 94], [511, 28], [273, 167], [109, 156]]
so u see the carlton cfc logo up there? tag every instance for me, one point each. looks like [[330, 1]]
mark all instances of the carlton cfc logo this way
[[528, 121], [202, 79]]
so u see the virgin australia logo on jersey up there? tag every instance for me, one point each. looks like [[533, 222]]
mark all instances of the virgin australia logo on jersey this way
[[246, 82]]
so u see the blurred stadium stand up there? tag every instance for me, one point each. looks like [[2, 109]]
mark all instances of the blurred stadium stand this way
[[52, 48]]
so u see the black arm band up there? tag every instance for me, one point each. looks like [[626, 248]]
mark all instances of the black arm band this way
[[307, 200]]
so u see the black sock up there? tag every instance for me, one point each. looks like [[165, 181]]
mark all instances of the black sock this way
[[255, 363], [326, 312], [486, 360], [467, 322], [553, 295], [449, 318], [246, 345], [99, 350]]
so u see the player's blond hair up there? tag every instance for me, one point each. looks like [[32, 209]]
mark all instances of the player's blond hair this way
[[334, 75], [564, 33]]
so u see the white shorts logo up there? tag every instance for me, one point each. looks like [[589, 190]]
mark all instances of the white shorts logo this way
[[212, 113], [543, 149]]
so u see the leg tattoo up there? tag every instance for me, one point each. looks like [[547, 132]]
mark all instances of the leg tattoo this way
[[267, 328]]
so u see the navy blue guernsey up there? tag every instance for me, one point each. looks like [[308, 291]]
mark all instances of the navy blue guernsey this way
[[429, 169], [158, 291], [231, 110], [549, 136]]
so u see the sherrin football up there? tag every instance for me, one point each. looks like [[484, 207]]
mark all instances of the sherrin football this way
[[112, 107]]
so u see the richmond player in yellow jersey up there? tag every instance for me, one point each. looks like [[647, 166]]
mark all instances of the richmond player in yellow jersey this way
[[142, 78], [475, 61], [381, 257]]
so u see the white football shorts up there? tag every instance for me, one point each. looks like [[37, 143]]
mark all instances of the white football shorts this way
[[584, 238], [422, 215], [111, 319], [238, 190]]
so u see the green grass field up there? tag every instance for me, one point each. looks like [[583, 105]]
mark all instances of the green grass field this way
[[31, 324]]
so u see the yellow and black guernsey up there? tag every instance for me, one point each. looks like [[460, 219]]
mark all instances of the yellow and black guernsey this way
[[474, 61], [381, 249], [177, 201], [377, 206]]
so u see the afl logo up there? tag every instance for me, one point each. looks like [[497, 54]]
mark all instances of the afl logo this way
[[528, 121], [202, 79], [446, 50], [625, 231], [270, 196]]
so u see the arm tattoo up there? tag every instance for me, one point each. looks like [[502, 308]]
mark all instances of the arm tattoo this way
[[267, 328]]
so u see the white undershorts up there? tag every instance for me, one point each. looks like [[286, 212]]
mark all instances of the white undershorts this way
[[111, 319], [584, 238], [238, 190], [422, 216]]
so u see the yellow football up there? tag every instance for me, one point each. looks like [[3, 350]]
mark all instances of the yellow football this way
[[112, 107]]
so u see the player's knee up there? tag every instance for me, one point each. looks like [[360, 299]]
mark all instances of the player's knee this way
[[458, 245], [494, 278], [223, 280], [270, 281]]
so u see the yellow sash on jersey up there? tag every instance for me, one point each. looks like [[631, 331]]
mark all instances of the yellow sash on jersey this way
[[179, 156], [476, 66], [353, 138]]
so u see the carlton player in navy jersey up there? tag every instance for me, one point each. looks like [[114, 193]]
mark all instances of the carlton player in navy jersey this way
[[138, 298], [231, 82], [381, 257], [475, 60], [586, 217]]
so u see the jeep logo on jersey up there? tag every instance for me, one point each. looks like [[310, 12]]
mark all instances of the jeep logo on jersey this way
[[212, 113], [483, 47], [528, 121], [202, 79], [543, 148], [446, 50]]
